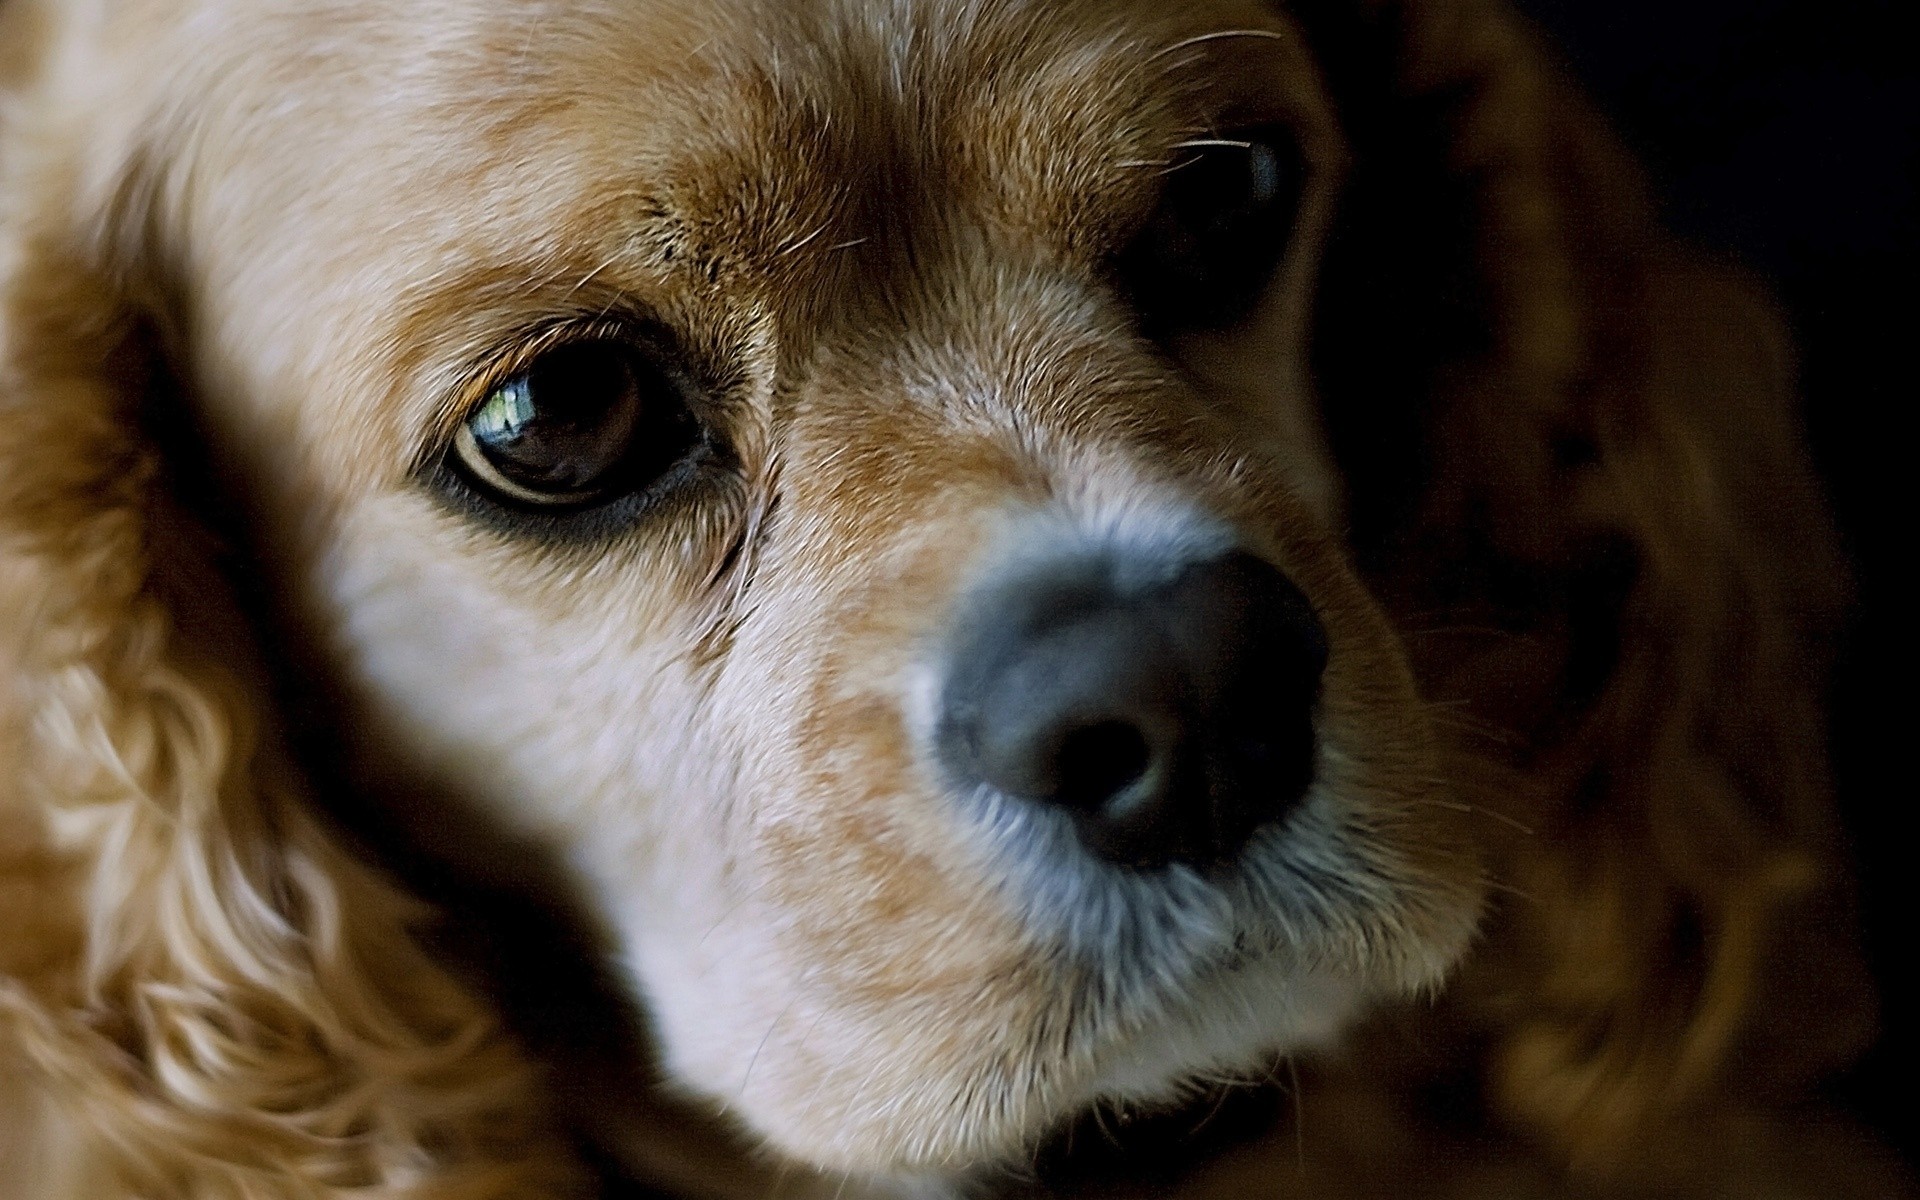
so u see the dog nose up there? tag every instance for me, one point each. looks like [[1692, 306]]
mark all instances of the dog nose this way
[[1172, 721]]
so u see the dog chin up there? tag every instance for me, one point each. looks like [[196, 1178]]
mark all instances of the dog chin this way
[[1229, 1030], [1230, 1027], [1227, 1021]]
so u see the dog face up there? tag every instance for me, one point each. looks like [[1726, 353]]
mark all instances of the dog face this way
[[842, 478]]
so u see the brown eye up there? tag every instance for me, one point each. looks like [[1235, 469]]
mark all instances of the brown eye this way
[[584, 422], [1204, 258]]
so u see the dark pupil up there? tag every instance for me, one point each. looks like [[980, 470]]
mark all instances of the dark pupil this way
[[565, 423], [1206, 255]]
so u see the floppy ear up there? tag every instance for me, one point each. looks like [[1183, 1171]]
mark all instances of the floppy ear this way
[[201, 995], [1580, 483]]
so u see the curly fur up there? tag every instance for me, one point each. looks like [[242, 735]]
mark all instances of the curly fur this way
[[1570, 510], [225, 1002]]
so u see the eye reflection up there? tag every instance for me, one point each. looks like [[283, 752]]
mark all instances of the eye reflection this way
[[583, 422]]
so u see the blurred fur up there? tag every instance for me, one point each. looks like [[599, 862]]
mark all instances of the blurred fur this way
[[1567, 471]]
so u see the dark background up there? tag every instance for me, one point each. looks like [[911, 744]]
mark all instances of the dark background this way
[[1785, 135]]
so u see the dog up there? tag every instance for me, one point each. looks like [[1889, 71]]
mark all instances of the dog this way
[[993, 566]]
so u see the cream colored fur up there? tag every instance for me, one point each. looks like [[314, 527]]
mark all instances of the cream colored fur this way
[[883, 224]]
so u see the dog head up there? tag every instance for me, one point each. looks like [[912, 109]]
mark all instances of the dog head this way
[[843, 479]]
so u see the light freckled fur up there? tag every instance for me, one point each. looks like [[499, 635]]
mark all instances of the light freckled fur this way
[[1567, 846]]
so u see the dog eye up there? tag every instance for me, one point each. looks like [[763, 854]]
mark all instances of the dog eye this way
[[1205, 256], [582, 422]]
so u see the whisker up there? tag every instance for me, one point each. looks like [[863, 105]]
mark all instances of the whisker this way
[[1236, 143], [800, 243], [1476, 810], [1219, 35], [1508, 889], [726, 916], [1299, 1118], [1219, 1103], [747, 1076], [589, 277], [1479, 727], [1459, 628], [782, 1177]]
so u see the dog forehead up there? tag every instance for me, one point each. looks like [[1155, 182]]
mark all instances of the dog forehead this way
[[387, 186], [1032, 81], [579, 102], [759, 121]]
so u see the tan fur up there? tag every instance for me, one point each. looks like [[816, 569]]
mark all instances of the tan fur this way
[[880, 230]]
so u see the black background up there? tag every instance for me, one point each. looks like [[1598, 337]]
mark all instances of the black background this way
[[1785, 136]]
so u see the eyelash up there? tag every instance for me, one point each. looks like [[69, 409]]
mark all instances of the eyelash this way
[[489, 371], [703, 475]]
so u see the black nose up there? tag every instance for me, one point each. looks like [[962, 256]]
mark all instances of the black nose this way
[[1172, 719]]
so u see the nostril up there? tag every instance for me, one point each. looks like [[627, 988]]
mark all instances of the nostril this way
[[1173, 721], [1096, 763]]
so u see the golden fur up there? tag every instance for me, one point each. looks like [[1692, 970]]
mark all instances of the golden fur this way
[[1534, 466]]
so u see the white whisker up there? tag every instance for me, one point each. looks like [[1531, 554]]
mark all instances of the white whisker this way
[[1220, 35]]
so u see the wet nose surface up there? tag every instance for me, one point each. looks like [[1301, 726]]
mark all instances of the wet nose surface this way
[[1173, 721]]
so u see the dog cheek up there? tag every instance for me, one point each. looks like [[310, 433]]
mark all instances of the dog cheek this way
[[855, 986], [889, 979]]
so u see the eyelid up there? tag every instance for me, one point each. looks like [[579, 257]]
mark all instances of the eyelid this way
[[476, 462], [493, 371]]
